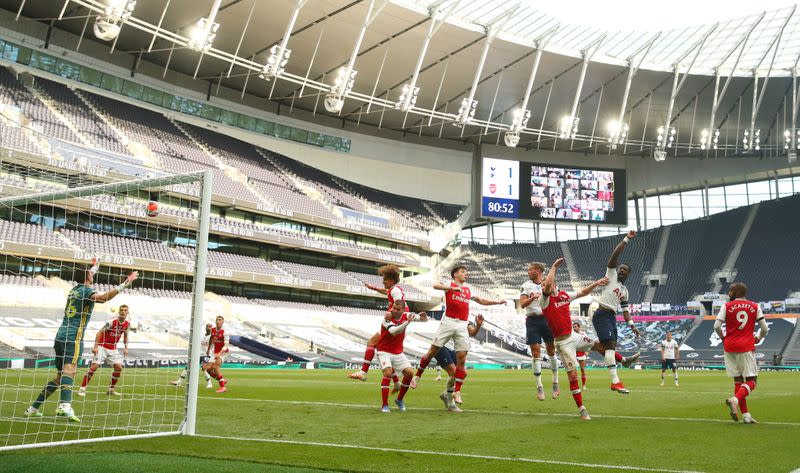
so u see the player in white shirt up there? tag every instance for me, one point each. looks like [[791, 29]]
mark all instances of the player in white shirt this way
[[536, 328], [203, 359], [670, 352], [612, 298]]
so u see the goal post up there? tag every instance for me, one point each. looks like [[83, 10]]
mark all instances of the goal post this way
[[52, 224]]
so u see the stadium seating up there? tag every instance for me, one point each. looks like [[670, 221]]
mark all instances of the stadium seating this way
[[29, 233], [769, 261]]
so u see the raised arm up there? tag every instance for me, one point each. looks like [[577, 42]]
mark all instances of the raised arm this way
[[444, 287], [612, 262], [482, 301], [550, 280], [591, 287], [107, 296], [376, 288]]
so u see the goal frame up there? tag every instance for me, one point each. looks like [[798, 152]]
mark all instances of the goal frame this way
[[189, 424]]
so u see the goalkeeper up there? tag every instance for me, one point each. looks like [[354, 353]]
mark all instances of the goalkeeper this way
[[69, 338]]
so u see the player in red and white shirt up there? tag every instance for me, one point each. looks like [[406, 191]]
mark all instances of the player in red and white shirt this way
[[740, 316], [391, 277], [390, 352], [454, 326], [219, 342], [581, 356], [204, 342], [555, 307], [105, 348]]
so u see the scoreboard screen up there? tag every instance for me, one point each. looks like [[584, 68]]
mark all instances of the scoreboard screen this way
[[529, 191]]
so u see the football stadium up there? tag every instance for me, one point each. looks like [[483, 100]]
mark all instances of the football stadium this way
[[380, 235]]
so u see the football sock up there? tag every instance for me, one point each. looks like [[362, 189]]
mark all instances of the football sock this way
[[460, 375], [423, 363], [612, 366], [87, 378], [537, 370], [385, 390], [404, 387], [66, 389], [49, 389], [554, 368], [368, 356], [576, 392], [115, 377]]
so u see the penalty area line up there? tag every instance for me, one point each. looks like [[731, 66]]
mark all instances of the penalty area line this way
[[492, 412], [449, 454]]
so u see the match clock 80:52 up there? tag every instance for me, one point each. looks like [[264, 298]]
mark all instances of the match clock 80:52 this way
[[501, 208]]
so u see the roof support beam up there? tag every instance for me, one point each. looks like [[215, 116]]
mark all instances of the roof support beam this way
[[410, 90], [244, 32], [469, 105], [569, 125], [522, 114], [619, 130], [346, 76]]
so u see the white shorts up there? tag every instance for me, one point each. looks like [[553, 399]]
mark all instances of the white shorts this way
[[104, 354], [397, 362], [568, 347], [452, 329], [741, 364], [581, 357]]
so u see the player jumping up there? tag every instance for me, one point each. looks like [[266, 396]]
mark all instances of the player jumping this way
[[613, 297], [105, 348], [740, 316], [219, 341], [203, 360], [390, 352], [537, 330], [391, 277], [670, 352], [445, 360], [68, 343], [453, 326], [581, 356], [555, 307]]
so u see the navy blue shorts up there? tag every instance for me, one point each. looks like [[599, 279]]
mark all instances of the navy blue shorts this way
[[605, 324], [537, 330], [667, 364], [445, 357]]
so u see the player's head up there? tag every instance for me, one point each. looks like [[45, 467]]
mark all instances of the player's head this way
[[535, 271], [397, 309], [219, 321], [459, 273], [122, 313], [208, 329], [623, 271], [737, 290], [84, 276], [669, 336], [390, 274], [576, 326]]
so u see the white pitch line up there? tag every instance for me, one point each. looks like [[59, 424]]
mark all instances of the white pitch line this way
[[483, 411], [450, 454]]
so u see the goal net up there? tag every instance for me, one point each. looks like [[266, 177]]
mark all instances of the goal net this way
[[57, 215]]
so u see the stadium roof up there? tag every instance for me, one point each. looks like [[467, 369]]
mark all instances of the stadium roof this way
[[486, 51]]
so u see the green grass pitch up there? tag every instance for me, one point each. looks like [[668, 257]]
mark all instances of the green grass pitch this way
[[308, 421]]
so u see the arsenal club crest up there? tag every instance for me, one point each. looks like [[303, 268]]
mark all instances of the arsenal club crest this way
[[492, 188]]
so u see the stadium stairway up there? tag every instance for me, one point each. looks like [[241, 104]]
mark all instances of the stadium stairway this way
[[261, 349], [736, 250], [571, 269], [39, 94], [791, 353]]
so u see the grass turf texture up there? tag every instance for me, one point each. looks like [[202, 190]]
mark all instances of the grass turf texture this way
[[281, 412]]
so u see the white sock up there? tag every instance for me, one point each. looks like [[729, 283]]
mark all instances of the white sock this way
[[208, 376], [65, 405], [676, 376], [612, 366], [537, 371], [451, 384], [554, 367], [183, 374], [662, 376]]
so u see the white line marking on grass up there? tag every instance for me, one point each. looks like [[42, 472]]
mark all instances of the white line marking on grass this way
[[450, 454], [493, 412]]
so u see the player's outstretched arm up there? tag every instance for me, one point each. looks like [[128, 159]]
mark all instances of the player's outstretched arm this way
[[482, 301], [443, 287], [591, 287], [107, 296], [550, 280], [614, 260], [375, 288]]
